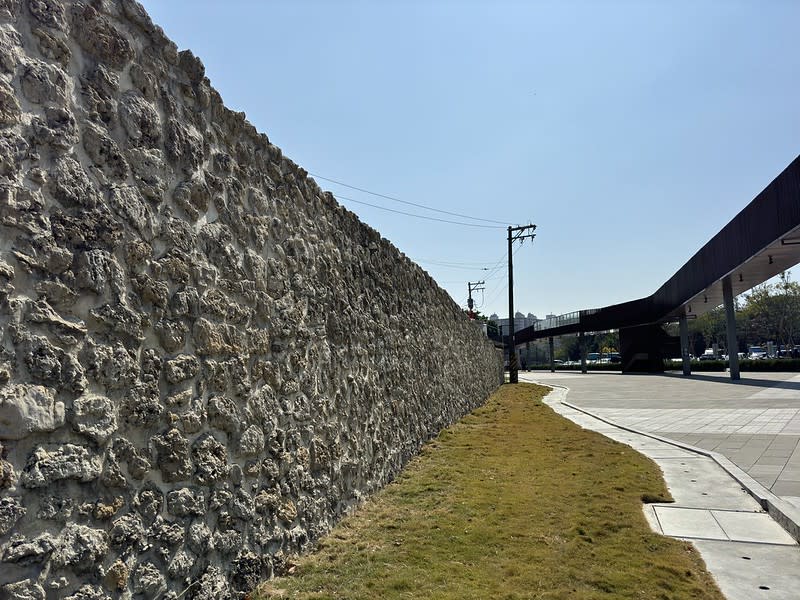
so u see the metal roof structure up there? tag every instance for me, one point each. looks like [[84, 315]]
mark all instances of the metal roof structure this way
[[760, 242]]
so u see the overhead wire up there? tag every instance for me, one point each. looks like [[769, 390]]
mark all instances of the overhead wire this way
[[490, 271], [495, 292], [452, 263], [400, 212], [394, 199]]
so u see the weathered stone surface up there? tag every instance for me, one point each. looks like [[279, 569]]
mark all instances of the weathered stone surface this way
[[103, 510], [43, 83], [170, 534], [140, 119], [127, 531], [181, 368], [41, 312], [56, 508], [58, 130], [172, 456], [25, 409], [148, 503], [49, 13], [180, 565], [99, 88], [114, 367], [56, 293], [116, 576], [147, 166], [93, 269], [103, 151], [9, 106], [94, 416], [128, 202], [249, 570], [89, 592], [252, 441], [65, 462], [184, 145], [172, 334], [198, 538], [210, 459], [148, 580], [26, 551], [99, 38], [41, 253], [120, 321], [186, 502], [213, 586], [11, 511], [80, 547], [141, 406], [222, 413], [53, 46], [14, 149], [70, 184], [26, 589], [87, 228]]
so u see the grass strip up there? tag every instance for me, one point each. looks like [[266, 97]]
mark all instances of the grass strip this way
[[514, 501]]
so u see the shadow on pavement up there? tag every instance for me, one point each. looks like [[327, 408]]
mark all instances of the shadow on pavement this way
[[745, 380]]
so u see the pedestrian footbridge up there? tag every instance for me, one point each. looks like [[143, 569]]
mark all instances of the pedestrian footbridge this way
[[760, 242]]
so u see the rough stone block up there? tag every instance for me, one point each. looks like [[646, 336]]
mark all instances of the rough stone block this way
[[26, 409]]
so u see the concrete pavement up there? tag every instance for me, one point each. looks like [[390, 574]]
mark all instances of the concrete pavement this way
[[718, 506], [754, 422]]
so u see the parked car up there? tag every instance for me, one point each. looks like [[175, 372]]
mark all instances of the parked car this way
[[756, 353]]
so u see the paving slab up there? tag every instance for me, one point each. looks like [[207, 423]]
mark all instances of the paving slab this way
[[752, 527], [754, 571], [680, 522]]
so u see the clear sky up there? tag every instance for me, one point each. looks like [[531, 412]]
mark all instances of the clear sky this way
[[628, 131]]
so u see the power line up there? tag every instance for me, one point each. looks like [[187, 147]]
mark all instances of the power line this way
[[501, 263], [400, 212], [452, 263], [496, 293], [445, 212], [454, 266]]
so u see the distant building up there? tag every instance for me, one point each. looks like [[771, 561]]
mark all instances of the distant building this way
[[520, 321]]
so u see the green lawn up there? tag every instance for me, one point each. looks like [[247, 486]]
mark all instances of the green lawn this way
[[513, 501]]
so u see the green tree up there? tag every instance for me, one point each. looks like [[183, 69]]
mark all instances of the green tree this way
[[771, 312]]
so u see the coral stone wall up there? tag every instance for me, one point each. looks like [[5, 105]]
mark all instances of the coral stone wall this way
[[204, 360]]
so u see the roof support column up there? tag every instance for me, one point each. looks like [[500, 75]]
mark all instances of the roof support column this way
[[730, 317], [552, 356], [582, 346], [684, 325]]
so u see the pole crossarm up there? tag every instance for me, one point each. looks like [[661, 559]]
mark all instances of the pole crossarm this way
[[473, 287]]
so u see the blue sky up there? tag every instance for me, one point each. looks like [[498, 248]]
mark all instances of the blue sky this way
[[629, 132]]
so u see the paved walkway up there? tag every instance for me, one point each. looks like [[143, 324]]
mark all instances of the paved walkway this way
[[754, 422], [748, 553]]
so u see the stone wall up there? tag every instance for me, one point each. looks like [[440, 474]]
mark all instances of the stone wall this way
[[204, 360]]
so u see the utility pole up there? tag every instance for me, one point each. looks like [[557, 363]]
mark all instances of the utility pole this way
[[514, 234], [473, 287]]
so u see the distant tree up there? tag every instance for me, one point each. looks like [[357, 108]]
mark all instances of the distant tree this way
[[706, 330], [476, 315], [772, 312]]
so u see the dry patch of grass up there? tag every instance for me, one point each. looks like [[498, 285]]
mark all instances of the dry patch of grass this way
[[514, 501]]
